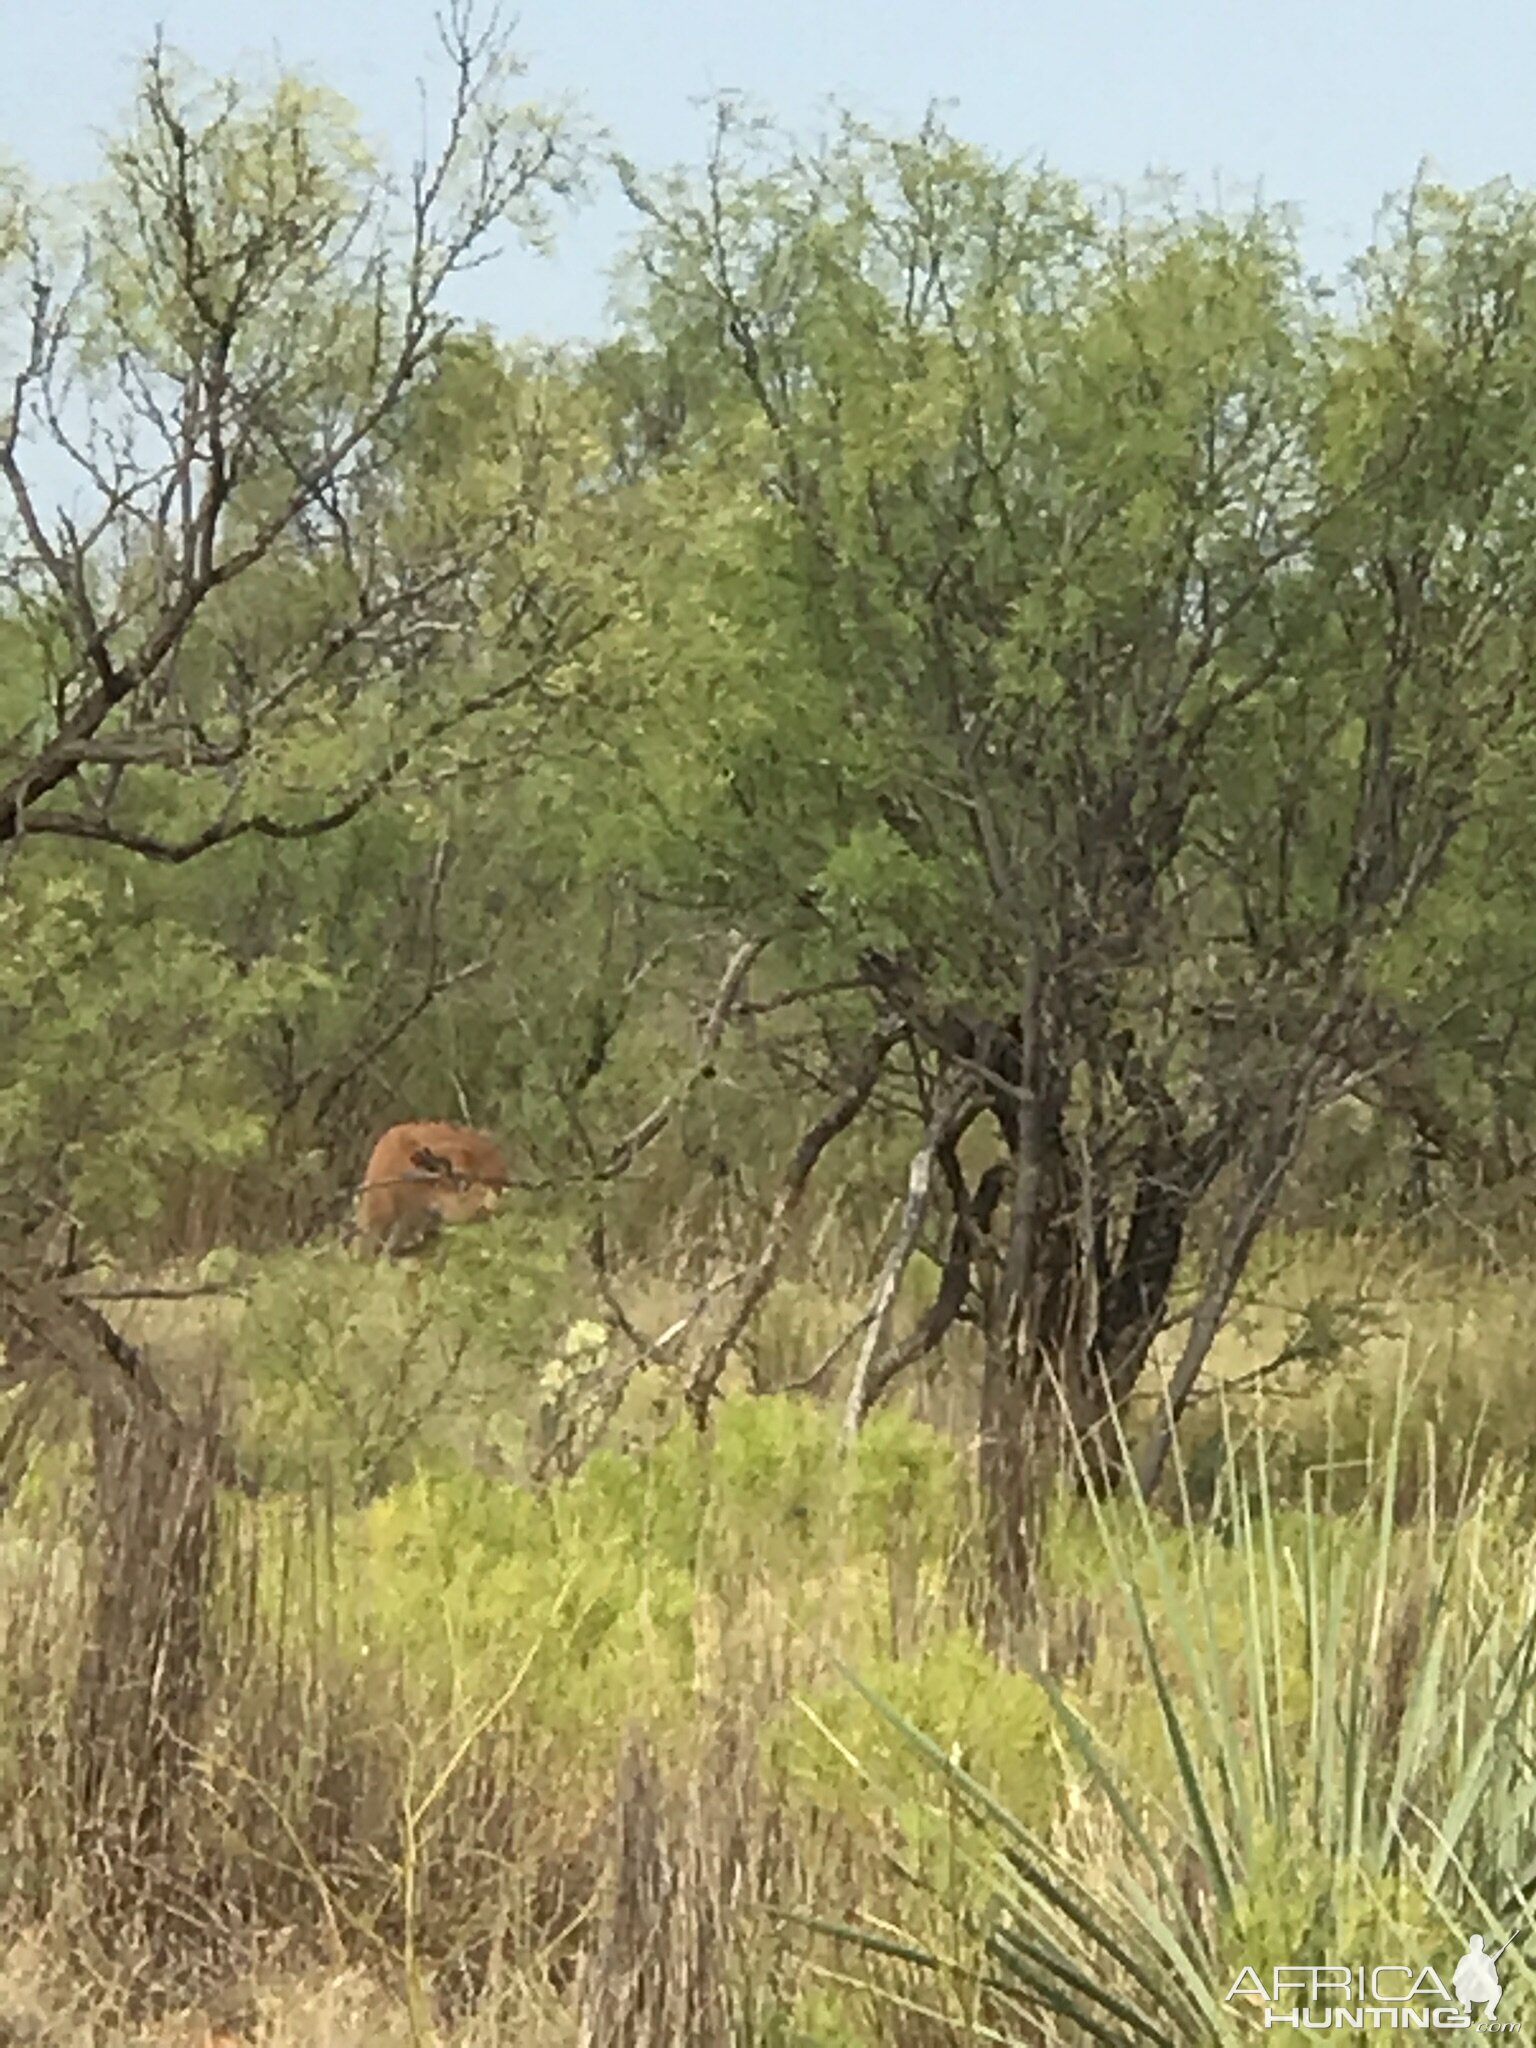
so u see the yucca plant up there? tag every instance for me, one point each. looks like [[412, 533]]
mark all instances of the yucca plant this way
[[1335, 1766]]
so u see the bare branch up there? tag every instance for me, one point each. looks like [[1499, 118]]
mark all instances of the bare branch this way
[[650, 1127], [760, 1277], [878, 1314], [207, 371]]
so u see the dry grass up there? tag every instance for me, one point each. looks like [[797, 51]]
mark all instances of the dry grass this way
[[44, 2004], [468, 1766]]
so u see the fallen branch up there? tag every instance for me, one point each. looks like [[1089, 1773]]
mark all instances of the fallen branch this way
[[134, 1292]]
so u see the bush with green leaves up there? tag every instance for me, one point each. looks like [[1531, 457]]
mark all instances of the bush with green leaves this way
[[352, 1371]]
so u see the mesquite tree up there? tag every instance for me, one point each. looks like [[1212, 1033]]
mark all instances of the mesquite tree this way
[[1085, 642], [253, 581], [276, 544], [238, 625]]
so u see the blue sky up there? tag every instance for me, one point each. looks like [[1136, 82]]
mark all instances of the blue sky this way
[[1328, 104]]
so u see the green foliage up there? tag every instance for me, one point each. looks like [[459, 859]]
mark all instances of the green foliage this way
[[1078, 634], [1293, 1731], [123, 1034], [1016, 455], [1339, 1718], [834, 614], [329, 540], [351, 1372], [998, 1723], [295, 156], [610, 1577], [941, 579]]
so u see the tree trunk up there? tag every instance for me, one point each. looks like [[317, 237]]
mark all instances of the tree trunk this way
[[139, 1687], [1270, 1158], [1013, 1473]]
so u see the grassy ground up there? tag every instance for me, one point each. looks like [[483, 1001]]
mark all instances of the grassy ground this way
[[464, 1759]]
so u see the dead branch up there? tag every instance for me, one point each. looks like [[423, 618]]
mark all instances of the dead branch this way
[[952, 1105], [650, 1350], [650, 1127], [973, 1220], [130, 1291], [760, 1276], [878, 1315], [1292, 1353], [1272, 1154]]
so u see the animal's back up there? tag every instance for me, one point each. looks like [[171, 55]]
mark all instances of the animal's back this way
[[425, 1174]]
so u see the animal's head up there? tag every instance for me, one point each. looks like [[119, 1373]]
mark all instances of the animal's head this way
[[421, 1176]]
